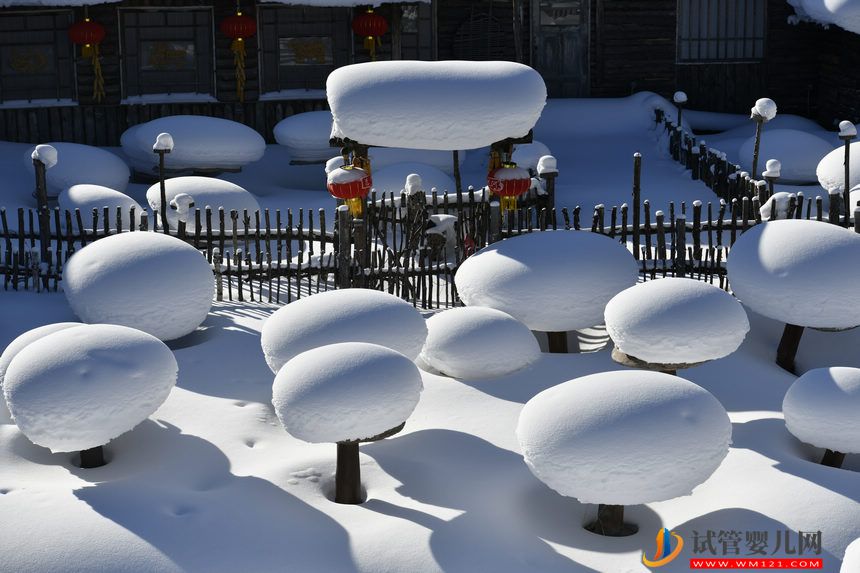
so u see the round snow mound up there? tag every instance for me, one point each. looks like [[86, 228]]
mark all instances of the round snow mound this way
[[551, 281], [16, 346], [851, 560], [149, 281], [381, 157], [77, 163], [793, 271], [81, 387], [625, 437], [392, 178], [198, 193], [305, 135], [200, 142], [821, 409], [527, 155], [676, 321], [475, 342], [798, 151], [344, 315], [346, 391], [831, 169], [87, 197]]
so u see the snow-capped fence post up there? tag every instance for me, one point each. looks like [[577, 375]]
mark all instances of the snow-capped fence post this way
[[763, 111], [344, 247], [44, 157], [217, 262], [695, 162], [547, 169], [637, 177], [495, 231], [835, 203], [847, 132], [162, 146]]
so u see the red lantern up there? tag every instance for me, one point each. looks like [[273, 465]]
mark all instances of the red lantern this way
[[86, 34], [352, 184], [238, 27], [371, 26], [509, 182]]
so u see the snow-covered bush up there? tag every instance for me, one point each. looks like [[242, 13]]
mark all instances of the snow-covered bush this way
[[343, 315], [552, 281], [305, 135], [200, 143], [821, 409], [676, 321], [474, 342], [149, 281], [434, 105], [599, 438], [87, 197], [392, 178], [798, 151], [831, 169], [198, 193], [527, 155], [77, 388], [77, 163], [346, 393], [16, 346]]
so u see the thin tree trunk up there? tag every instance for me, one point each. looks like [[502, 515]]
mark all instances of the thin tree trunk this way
[[93, 457], [610, 522], [348, 474], [788, 345], [557, 342], [833, 459]]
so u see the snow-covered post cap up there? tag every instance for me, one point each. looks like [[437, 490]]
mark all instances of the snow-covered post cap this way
[[163, 143], [413, 184], [764, 110], [679, 98], [547, 165], [46, 154], [847, 130], [772, 169]]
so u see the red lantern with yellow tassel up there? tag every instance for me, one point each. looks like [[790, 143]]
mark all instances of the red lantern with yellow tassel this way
[[238, 27], [352, 184], [371, 26], [88, 35], [509, 182]]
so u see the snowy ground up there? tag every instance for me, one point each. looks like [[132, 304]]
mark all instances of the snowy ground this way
[[213, 483]]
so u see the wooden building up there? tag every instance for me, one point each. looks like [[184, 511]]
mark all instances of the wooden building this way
[[162, 57]]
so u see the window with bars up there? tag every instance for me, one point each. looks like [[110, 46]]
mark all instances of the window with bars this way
[[721, 30], [36, 56]]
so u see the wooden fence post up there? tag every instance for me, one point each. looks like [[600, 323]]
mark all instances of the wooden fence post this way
[[680, 245], [42, 200], [846, 193], [495, 234], [637, 176], [344, 244]]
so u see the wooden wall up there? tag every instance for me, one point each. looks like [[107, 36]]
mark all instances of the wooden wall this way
[[838, 94]]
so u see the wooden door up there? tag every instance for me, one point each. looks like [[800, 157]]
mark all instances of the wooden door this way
[[561, 45]]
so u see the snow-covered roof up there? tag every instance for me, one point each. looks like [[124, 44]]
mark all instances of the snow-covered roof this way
[[842, 13]]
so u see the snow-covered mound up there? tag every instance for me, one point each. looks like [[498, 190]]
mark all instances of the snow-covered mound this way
[[821, 409], [842, 13], [798, 151], [434, 105], [551, 281], [87, 197], [343, 315], [145, 280], [305, 135], [527, 155], [392, 178], [381, 157], [625, 437], [187, 194], [780, 201], [16, 346], [345, 391], [676, 321], [794, 270], [474, 342], [831, 169], [81, 387], [77, 163], [200, 143], [851, 561]]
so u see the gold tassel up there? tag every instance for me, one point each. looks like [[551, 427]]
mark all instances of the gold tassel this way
[[356, 206], [92, 51], [509, 203], [238, 49], [370, 46]]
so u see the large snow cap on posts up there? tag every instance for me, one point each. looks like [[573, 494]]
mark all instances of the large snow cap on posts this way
[[345, 391], [551, 281], [821, 409], [434, 105], [343, 315], [625, 437], [798, 151], [77, 163], [200, 143], [81, 387], [676, 321], [797, 271], [145, 280], [474, 342], [87, 197], [203, 192], [831, 169]]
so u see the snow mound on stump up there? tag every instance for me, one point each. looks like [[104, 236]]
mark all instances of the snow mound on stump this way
[[200, 143], [346, 391], [81, 387], [475, 342], [551, 281], [851, 561], [795, 271], [87, 197], [392, 178], [625, 437], [821, 409], [78, 163], [343, 315], [145, 280], [19, 344], [203, 192], [798, 151], [305, 135], [676, 321], [831, 169], [434, 105]]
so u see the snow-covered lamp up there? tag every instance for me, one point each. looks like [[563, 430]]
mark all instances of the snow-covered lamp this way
[[680, 100], [163, 145], [762, 112]]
